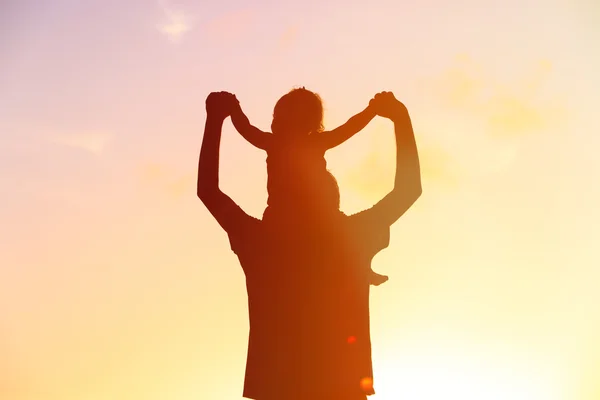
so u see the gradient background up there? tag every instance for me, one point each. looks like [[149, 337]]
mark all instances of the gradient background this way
[[115, 281]]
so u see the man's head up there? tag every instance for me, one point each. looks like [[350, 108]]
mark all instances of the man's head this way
[[325, 192], [316, 195], [298, 112]]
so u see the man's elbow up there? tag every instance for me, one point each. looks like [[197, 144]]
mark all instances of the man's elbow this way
[[204, 193], [412, 195], [412, 188], [209, 194], [417, 191], [407, 194]]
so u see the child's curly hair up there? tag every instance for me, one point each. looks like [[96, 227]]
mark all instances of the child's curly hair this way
[[300, 110]]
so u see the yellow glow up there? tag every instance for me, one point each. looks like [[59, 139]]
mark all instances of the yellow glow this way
[[117, 283], [459, 376]]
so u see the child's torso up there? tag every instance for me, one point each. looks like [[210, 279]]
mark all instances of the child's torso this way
[[291, 163]]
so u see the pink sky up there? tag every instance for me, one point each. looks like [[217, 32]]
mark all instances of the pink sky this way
[[115, 282]]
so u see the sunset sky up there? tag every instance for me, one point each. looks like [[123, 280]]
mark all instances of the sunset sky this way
[[116, 282]]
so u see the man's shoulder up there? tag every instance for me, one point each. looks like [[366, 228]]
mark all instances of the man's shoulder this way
[[246, 233], [358, 217]]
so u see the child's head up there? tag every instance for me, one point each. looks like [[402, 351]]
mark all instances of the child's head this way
[[298, 112]]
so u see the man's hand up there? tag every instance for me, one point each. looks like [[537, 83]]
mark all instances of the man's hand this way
[[387, 106], [220, 105]]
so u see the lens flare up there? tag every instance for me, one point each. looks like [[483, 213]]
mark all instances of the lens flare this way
[[366, 384]]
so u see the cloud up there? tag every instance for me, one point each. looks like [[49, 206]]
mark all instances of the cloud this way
[[175, 25], [520, 106], [461, 84], [510, 115], [524, 107], [94, 142], [485, 115]]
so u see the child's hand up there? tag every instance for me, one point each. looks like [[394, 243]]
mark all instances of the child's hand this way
[[221, 104], [235, 106]]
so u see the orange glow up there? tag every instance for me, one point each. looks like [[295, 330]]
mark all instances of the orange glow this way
[[366, 384], [117, 283]]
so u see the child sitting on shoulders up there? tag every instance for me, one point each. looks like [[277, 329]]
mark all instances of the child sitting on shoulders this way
[[296, 148]]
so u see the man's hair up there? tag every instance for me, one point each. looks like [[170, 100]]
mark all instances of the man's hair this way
[[322, 193], [331, 189], [315, 193], [299, 110]]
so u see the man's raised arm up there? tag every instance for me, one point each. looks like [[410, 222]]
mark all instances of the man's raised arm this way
[[407, 183], [225, 211]]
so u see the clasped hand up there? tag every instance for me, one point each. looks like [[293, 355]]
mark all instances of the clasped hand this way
[[221, 104], [386, 105]]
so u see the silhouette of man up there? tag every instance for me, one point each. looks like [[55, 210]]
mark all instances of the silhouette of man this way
[[307, 271]]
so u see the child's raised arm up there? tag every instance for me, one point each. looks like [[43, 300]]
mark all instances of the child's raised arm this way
[[252, 134], [344, 132]]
